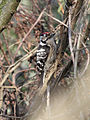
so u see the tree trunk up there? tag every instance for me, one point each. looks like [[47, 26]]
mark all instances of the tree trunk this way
[[7, 9]]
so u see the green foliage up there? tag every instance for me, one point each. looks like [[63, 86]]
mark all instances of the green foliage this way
[[2, 3]]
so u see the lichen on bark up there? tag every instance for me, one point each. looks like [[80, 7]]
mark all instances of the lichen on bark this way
[[7, 9]]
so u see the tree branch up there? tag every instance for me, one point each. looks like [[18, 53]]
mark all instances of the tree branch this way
[[7, 9]]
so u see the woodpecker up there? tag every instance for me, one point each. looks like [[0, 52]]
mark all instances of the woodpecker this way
[[46, 52], [42, 53]]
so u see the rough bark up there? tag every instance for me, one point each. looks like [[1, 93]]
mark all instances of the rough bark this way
[[7, 9]]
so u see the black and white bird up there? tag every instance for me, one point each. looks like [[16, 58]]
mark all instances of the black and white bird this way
[[42, 53], [46, 48]]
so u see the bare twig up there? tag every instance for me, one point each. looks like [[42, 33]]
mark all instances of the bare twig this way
[[62, 23], [88, 59], [7, 46], [76, 57], [83, 48], [48, 101], [7, 87], [69, 34], [77, 7], [26, 84], [30, 30], [14, 44], [20, 71], [5, 56], [16, 64], [1, 96]]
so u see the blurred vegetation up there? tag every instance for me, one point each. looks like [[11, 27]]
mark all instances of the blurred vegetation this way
[[13, 46]]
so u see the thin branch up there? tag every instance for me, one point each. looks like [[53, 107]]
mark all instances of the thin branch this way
[[7, 87], [7, 46], [5, 56], [26, 84], [16, 64], [69, 34], [75, 50], [76, 56], [56, 19], [88, 60], [76, 10], [30, 30]]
